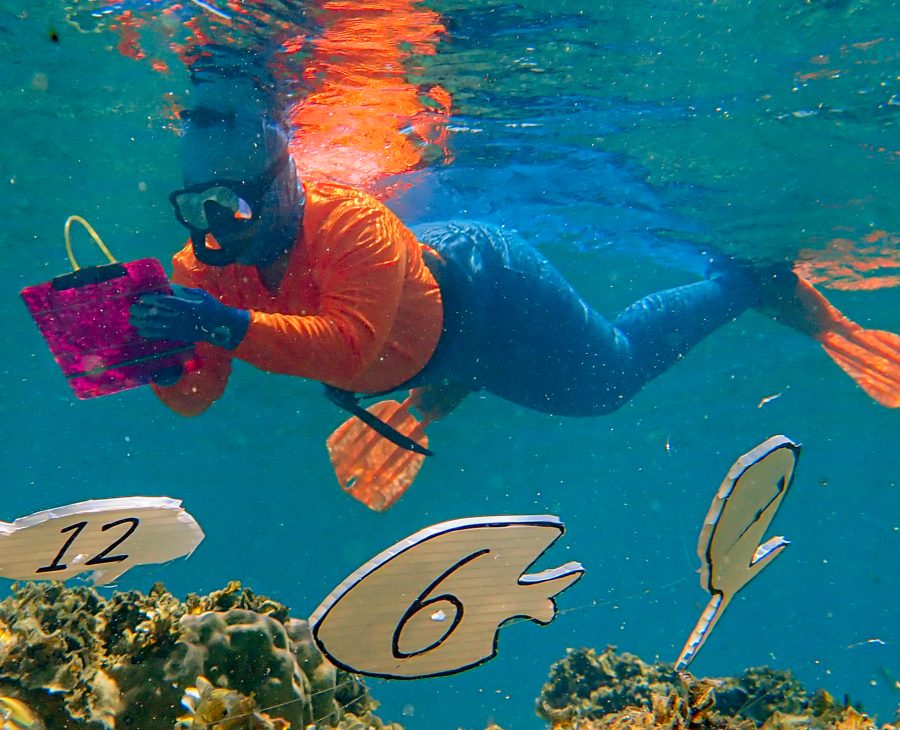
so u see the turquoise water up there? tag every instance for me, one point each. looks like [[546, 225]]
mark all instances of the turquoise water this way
[[619, 139]]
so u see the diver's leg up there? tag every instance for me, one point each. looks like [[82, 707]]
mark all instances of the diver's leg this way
[[544, 347], [514, 326], [523, 333], [662, 327]]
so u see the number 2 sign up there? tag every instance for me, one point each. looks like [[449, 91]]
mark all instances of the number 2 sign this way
[[433, 603], [106, 536]]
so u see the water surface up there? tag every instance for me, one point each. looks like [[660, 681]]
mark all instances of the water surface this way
[[619, 138]]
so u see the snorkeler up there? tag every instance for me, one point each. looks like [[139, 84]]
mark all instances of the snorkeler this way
[[324, 282]]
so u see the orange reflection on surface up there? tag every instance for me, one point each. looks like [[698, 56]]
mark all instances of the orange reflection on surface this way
[[864, 53], [129, 26], [363, 118], [871, 261], [129, 39], [888, 154], [355, 115]]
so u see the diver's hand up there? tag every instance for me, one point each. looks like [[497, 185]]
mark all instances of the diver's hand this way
[[189, 315]]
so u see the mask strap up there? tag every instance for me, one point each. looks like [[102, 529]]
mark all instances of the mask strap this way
[[349, 402]]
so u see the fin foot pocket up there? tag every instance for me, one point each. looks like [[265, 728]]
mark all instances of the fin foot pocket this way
[[870, 357]]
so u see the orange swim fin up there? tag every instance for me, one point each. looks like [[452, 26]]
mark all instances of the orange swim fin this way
[[870, 357], [376, 470]]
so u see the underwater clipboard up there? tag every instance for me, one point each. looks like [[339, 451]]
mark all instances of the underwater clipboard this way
[[83, 316]]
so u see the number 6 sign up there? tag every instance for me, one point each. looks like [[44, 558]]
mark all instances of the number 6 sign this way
[[432, 604], [106, 536]]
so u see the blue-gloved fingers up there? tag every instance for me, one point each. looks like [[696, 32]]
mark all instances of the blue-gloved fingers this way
[[152, 330], [150, 321], [190, 293], [154, 316], [151, 313], [155, 333], [189, 315], [167, 303]]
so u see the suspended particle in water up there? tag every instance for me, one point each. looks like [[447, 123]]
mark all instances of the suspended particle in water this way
[[39, 82]]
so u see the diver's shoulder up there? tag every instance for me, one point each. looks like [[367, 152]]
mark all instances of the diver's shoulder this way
[[329, 193], [185, 259]]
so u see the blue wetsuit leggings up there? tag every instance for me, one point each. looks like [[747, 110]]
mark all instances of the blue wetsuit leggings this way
[[513, 326]]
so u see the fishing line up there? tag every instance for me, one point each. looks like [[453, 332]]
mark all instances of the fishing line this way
[[356, 681], [315, 721], [517, 620]]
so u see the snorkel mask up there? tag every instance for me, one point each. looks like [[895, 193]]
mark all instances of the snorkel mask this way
[[228, 209]]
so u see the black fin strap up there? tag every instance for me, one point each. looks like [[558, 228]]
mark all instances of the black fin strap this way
[[347, 401]]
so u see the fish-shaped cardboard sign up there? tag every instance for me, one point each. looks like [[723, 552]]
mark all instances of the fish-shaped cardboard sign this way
[[433, 603], [103, 536], [729, 547]]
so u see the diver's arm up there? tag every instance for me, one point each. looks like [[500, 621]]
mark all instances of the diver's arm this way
[[360, 271], [206, 374], [202, 383]]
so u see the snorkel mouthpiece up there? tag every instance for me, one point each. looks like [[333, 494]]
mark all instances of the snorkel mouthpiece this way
[[217, 255], [243, 212], [226, 216]]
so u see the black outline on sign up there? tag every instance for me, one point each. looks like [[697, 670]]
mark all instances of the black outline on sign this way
[[750, 459], [425, 535], [418, 604], [713, 608]]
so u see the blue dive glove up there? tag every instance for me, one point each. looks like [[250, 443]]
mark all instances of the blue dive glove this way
[[189, 315]]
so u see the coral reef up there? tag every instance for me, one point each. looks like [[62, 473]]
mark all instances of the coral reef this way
[[589, 691], [227, 661], [233, 660]]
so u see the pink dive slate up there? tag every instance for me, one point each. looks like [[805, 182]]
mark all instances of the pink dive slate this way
[[83, 316]]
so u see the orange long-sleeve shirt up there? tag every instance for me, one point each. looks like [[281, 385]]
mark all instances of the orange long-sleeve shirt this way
[[357, 307]]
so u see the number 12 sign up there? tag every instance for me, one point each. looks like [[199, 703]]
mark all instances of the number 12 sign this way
[[105, 536]]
